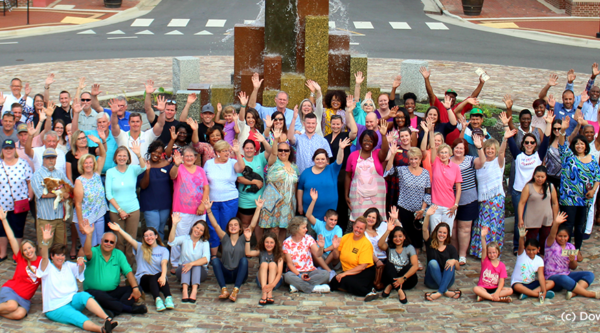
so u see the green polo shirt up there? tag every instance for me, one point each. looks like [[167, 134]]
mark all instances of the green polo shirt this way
[[105, 275]]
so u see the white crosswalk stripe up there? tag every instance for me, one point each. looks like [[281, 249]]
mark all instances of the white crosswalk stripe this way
[[142, 22], [145, 32], [363, 25], [436, 26], [116, 32], [249, 21], [203, 33], [174, 32], [178, 23], [215, 23], [400, 25], [87, 32]]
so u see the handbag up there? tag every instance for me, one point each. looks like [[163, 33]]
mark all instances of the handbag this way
[[378, 274], [21, 206]]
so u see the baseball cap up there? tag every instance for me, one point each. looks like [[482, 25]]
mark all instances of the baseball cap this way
[[208, 108], [49, 152], [8, 143], [451, 91], [21, 128], [476, 111]]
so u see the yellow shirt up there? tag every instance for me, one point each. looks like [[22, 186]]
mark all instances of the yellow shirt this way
[[354, 253]]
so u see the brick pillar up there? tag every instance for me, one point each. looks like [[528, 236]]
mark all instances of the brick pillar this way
[[272, 66], [306, 8], [339, 59], [248, 45], [202, 91], [293, 84]]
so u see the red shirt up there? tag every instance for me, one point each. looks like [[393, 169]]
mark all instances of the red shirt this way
[[444, 118], [24, 282]]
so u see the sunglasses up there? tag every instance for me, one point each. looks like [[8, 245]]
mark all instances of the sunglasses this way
[[283, 150], [106, 241], [368, 104], [86, 99], [278, 119], [171, 101], [529, 142], [557, 128]]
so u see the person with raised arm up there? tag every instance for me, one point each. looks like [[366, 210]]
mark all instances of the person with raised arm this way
[[249, 123], [327, 227], [61, 301], [314, 104], [151, 257], [169, 111], [16, 293], [493, 274]]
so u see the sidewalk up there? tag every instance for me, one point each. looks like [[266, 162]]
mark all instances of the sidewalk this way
[[530, 15], [61, 13]]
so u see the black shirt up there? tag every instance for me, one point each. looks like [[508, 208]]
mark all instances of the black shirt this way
[[70, 157], [165, 136], [335, 146], [202, 128], [443, 256], [60, 113]]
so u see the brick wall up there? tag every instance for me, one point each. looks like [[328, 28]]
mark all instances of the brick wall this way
[[584, 9], [560, 4]]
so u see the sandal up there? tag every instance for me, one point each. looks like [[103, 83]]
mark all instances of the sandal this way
[[109, 325], [457, 292], [233, 296], [270, 300], [224, 293], [462, 261], [173, 271], [427, 297], [420, 266], [262, 302]]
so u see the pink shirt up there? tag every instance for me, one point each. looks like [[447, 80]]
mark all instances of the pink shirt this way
[[188, 190], [490, 275], [442, 185], [353, 160]]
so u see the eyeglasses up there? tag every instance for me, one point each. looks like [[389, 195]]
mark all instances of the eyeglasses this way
[[82, 138], [283, 150], [106, 241], [557, 128], [529, 142], [401, 117], [278, 119], [86, 99]]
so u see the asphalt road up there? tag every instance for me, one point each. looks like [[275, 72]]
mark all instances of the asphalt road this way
[[420, 42]]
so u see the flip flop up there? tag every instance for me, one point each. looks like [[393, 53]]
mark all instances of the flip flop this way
[[457, 292], [427, 297], [262, 302], [270, 300]]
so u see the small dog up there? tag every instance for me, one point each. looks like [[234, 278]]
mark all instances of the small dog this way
[[58, 187], [249, 174]]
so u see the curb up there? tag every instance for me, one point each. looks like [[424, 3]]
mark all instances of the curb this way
[[142, 8], [537, 36]]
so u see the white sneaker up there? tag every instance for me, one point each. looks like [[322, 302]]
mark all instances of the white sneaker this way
[[371, 296], [321, 289], [293, 289]]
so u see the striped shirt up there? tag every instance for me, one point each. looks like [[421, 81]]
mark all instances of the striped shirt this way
[[45, 206], [469, 184]]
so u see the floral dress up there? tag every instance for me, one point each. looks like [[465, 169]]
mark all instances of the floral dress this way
[[280, 196], [93, 206]]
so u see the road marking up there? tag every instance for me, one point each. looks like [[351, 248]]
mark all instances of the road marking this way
[[116, 32], [500, 25], [9, 43], [331, 24], [363, 25], [178, 23], [63, 7], [203, 33], [436, 26], [87, 32], [122, 37], [400, 25], [78, 20], [215, 23], [351, 43], [249, 21], [174, 32], [142, 22], [145, 32]]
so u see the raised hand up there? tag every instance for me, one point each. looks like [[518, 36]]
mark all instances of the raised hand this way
[[350, 105], [247, 234], [259, 202], [314, 195], [431, 210], [571, 75], [161, 103], [80, 261], [259, 137], [566, 122], [424, 72], [393, 147], [473, 101], [207, 204], [149, 86], [295, 111], [47, 233], [49, 80], [345, 143], [176, 218], [447, 101], [509, 134], [504, 118], [27, 89], [173, 133], [549, 117], [383, 126], [584, 96], [94, 139], [177, 158], [277, 133], [321, 241], [522, 231], [2, 98], [192, 98], [95, 90], [507, 101], [135, 148], [595, 70], [256, 81], [553, 80], [236, 147], [82, 83], [309, 84], [243, 98], [114, 227], [269, 121], [393, 215], [316, 85], [369, 95], [85, 227], [397, 81], [424, 126], [113, 105], [219, 107], [551, 101], [561, 218], [477, 141], [359, 77], [30, 128], [484, 232], [335, 242]]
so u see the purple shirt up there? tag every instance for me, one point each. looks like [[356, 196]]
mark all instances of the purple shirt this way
[[554, 262], [361, 129], [379, 116]]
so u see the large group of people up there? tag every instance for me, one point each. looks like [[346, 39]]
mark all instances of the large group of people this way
[[338, 194]]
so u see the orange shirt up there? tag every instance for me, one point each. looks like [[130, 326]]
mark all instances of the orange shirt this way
[[354, 253]]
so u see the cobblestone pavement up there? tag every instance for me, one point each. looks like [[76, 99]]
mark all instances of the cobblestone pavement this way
[[118, 76], [339, 312]]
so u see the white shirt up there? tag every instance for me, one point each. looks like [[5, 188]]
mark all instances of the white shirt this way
[[375, 240], [58, 287], [221, 179], [11, 99], [144, 140], [190, 253], [526, 269], [38, 160]]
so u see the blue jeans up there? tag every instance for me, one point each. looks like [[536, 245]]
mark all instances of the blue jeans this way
[[437, 277], [224, 276], [569, 282], [157, 219], [516, 197], [223, 212]]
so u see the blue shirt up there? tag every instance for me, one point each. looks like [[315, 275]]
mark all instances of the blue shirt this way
[[320, 229], [121, 187], [45, 206], [326, 185], [306, 147], [111, 147], [159, 193], [123, 122], [589, 110], [265, 111]]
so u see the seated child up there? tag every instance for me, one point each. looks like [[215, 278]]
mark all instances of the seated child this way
[[328, 229], [493, 273]]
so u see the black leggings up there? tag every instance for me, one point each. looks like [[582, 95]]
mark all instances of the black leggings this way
[[414, 230], [390, 273], [359, 284], [150, 283]]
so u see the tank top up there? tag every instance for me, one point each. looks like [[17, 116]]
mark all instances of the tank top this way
[[539, 210]]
